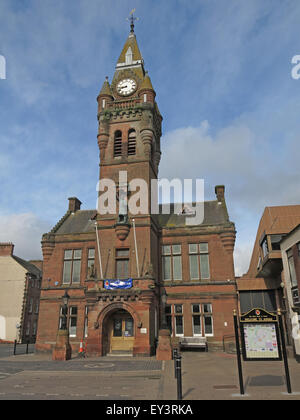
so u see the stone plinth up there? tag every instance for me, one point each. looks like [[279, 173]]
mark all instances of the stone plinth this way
[[164, 348], [62, 349]]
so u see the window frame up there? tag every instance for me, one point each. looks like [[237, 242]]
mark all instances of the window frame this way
[[198, 253], [118, 143], [131, 142], [72, 260], [172, 257], [122, 258]]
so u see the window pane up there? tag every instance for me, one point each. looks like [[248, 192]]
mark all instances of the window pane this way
[[196, 324], [117, 328], [67, 272], [92, 253], [73, 310], [270, 301], [122, 252], [196, 308], [176, 249], [194, 269], [128, 328], [177, 275], [204, 266], [77, 254], [193, 248], [293, 276], [178, 325], [68, 255], [122, 269], [257, 300], [166, 250], [203, 247], [208, 327], [167, 268], [72, 327], [76, 271], [207, 308], [178, 309], [245, 301]]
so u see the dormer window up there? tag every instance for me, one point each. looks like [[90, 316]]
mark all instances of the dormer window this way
[[128, 56], [131, 142], [118, 144]]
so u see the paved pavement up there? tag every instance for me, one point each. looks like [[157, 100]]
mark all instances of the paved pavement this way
[[205, 376]]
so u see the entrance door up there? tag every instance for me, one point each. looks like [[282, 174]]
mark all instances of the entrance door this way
[[122, 332]]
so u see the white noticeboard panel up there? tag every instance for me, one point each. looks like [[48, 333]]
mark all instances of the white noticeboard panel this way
[[261, 341]]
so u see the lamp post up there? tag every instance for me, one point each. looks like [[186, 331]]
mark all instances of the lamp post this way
[[164, 348], [164, 325], [62, 349], [64, 323]]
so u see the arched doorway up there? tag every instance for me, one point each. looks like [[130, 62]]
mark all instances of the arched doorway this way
[[120, 332]]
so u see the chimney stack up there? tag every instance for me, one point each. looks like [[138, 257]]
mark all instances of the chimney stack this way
[[74, 204], [6, 249], [220, 192]]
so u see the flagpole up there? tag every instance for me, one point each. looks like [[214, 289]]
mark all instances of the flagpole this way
[[99, 253], [136, 252]]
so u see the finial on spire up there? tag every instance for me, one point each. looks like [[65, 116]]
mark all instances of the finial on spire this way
[[132, 19]]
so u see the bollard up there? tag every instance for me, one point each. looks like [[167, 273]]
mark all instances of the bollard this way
[[15, 347], [178, 376], [174, 358], [27, 344]]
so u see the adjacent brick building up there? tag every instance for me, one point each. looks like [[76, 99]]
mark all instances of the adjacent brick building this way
[[153, 255], [290, 249], [265, 285]]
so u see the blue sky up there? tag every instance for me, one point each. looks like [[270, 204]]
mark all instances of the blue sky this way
[[222, 73]]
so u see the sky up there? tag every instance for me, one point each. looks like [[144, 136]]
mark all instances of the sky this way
[[222, 71]]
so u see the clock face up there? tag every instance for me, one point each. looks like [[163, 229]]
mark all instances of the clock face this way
[[126, 87]]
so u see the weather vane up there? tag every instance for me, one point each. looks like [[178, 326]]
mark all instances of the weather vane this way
[[132, 19]]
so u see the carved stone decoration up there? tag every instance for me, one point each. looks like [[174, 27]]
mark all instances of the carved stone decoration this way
[[147, 139], [122, 231], [149, 271], [91, 272], [156, 159]]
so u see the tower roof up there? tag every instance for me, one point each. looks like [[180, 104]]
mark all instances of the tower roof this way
[[146, 84], [105, 90], [130, 45]]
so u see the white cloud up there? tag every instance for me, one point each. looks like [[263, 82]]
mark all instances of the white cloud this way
[[25, 232]]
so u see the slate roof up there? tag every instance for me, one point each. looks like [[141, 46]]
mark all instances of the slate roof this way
[[32, 269], [81, 221], [78, 222], [215, 213]]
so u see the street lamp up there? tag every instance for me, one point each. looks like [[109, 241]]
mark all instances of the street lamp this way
[[65, 300], [164, 325]]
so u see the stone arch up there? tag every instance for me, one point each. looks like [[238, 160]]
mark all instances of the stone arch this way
[[114, 307], [103, 322]]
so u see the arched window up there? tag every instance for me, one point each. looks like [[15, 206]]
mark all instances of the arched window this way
[[118, 143], [131, 142]]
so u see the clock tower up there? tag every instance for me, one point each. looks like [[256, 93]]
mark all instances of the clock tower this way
[[129, 143]]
